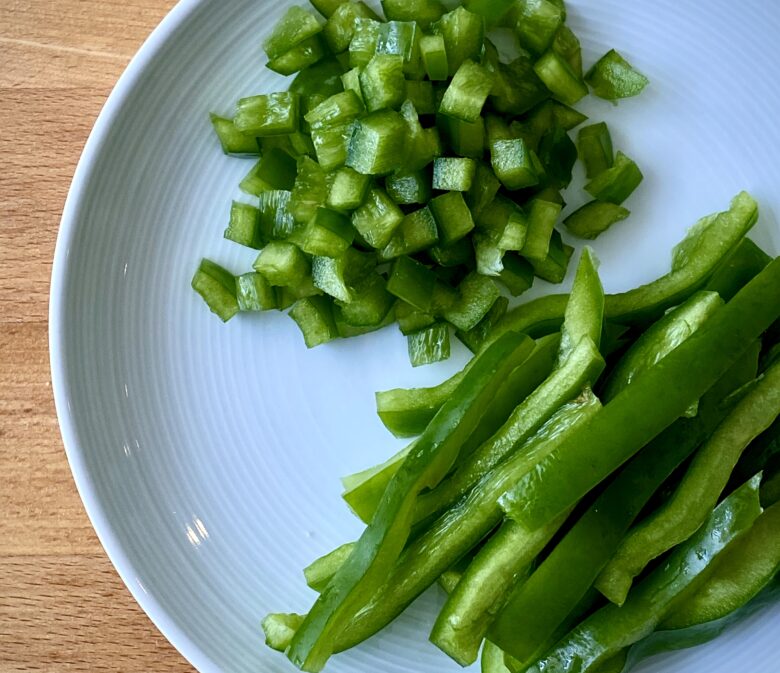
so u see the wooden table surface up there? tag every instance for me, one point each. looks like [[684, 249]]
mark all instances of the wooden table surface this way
[[62, 605]]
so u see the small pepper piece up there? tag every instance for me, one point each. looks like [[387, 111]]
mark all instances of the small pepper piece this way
[[378, 143], [463, 34], [537, 23], [612, 77], [430, 344], [314, 317], [434, 55], [382, 82], [377, 219], [231, 139], [267, 114], [594, 218], [296, 25], [560, 79], [594, 143], [617, 183], [217, 286], [452, 216], [467, 92], [453, 174]]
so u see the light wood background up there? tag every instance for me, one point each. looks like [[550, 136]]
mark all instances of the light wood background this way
[[62, 605]]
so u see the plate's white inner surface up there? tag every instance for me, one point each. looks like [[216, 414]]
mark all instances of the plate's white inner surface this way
[[210, 455]]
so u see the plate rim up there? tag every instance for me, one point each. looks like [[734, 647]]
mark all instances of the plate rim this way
[[57, 318]]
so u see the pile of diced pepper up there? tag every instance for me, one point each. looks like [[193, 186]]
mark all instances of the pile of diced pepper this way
[[412, 173], [601, 482]]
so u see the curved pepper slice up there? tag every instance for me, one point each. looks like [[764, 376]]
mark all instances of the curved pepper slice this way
[[608, 631], [657, 398], [584, 365], [364, 490], [698, 491], [535, 613], [462, 527], [743, 572], [694, 260], [660, 339], [378, 548]]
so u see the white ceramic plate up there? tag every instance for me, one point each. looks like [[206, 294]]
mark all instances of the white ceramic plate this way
[[209, 456]]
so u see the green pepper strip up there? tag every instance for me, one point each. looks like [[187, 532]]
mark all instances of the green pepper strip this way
[[694, 260], [407, 411], [473, 604], [660, 339], [737, 269], [582, 367], [584, 314], [699, 490], [364, 490], [459, 529], [667, 640], [493, 659], [534, 615], [605, 633], [743, 572], [658, 396], [383, 540]]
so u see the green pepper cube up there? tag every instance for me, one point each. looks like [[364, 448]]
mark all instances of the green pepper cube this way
[[453, 174], [428, 345], [277, 169], [348, 189], [268, 114], [377, 218], [477, 293], [282, 263], [363, 44], [567, 46], [416, 232], [492, 10], [253, 184], [617, 183], [513, 163], [370, 303], [463, 34], [542, 216], [594, 218], [254, 293], [420, 94], [517, 274], [314, 317], [612, 77], [322, 78], [594, 144], [377, 145], [276, 220], [382, 82], [217, 286], [483, 190], [306, 54], [505, 222], [409, 187], [422, 145], [460, 253], [398, 38], [488, 254], [467, 92], [329, 275], [553, 268], [476, 337], [452, 216], [340, 26], [351, 82], [411, 281], [331, 127], [466, 139], [244, 225], [326, 7], [560, 79], [537, 23], [434, 56], [310, 190], [424, 12], [294, 27], [410, 319], [328, 233], [231, 139]]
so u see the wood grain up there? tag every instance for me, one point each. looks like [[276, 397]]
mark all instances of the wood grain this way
[[62, 605]]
